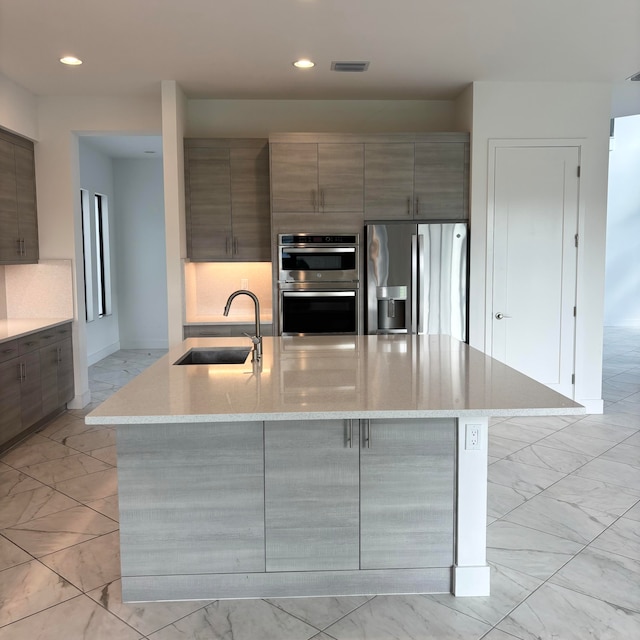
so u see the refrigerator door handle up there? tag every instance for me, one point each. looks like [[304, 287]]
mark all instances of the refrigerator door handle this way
[[414, 284], [418, 284]]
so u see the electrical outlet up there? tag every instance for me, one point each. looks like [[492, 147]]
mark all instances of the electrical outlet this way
[[472, 437], [244, 283]]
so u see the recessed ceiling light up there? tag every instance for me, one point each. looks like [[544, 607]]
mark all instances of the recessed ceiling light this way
[[71, 60], [304, 64]]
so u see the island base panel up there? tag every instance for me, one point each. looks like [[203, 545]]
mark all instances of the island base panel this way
[[284, 584]]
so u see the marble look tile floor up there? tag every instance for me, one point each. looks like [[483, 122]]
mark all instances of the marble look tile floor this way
[[563, 537]]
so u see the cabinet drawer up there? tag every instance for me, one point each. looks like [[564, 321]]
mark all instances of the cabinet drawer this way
[[32, 342], [8, 350]]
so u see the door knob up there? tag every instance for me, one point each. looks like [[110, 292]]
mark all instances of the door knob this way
[[500, 316]]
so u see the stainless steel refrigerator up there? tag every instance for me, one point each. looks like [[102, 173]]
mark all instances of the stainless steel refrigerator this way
[[417, 278]]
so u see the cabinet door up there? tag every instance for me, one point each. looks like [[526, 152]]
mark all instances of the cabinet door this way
[[311, 495], [191, 498], [251, 219], [26, 203], [10, 420], [208, 206], [407, 493], [49, 378], [341, 177], [441, 181], [388, 181], [66, 389], [294, 177], [30, 389], [9, 238]]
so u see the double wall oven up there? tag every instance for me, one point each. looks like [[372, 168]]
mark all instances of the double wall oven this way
[[318, 284]]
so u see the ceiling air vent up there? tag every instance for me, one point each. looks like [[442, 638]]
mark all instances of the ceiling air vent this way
[[349, 66], [635, 77]]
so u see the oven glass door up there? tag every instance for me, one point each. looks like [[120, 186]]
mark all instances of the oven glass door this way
[[318, 312], [316, 259]]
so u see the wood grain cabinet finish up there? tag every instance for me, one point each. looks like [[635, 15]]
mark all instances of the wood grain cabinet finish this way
[[407, 472], [37, 380], [310, 177], [56, 368], [18, 212], [311, 495], [224, 330], [227, 199], [427, 179], [191, 498]]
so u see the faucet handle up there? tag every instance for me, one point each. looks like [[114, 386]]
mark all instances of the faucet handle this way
[[254, 339]]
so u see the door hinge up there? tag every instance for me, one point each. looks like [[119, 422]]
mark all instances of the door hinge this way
[[578, 171], [573, 378], [576, 239]]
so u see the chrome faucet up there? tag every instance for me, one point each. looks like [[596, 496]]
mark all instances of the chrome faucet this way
[[256, 338]]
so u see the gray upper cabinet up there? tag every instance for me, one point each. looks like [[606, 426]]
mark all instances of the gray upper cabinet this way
[[207, 476], [389, 181], [311, 177], [18, 212], [311, 495], [441, 179], [227, 199], [407, 471], [423, 179]]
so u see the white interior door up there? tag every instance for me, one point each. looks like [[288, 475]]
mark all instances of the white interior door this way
[[536, 191]]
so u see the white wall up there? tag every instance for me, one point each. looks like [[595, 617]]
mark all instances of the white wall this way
[[96, 176], [544, 111], [259, 118], [18, 109], [139, 254], [60, 120], [622, 279]]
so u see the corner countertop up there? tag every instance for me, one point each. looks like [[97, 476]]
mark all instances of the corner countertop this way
[[19, 327], [314, 378]]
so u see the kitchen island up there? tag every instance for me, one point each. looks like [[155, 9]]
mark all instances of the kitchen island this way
[[334, 466]]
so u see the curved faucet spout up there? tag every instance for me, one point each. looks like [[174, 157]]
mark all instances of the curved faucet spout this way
[[257, 337]]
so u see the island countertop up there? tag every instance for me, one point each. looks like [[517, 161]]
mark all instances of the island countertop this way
[[312, 378]]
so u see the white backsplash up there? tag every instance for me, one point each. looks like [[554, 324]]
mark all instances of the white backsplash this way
[[43, 290], [209, 284]]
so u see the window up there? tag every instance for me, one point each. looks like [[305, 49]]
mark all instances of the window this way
[[97, 260]]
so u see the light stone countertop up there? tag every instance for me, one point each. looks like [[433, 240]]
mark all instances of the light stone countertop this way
[[19, 327], [307, 378]]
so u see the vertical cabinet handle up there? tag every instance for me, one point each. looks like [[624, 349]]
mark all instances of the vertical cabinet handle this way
[[18, 247], [408, 206], [226, 245], [349, 426], [417, 206], [367, 433], [322, 199], [22, 372], [235, 246], [314, 200]]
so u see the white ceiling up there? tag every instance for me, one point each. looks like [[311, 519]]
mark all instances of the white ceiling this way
[[125, 146], [418, 49]]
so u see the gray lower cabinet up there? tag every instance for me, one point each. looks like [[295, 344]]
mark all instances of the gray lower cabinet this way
[[225, 330], [191, 498], [10, 406], [36, 380], [56, 369], [311, 495], [407, 471]]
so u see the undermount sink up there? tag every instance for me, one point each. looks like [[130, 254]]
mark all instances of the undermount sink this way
[[215, 355]]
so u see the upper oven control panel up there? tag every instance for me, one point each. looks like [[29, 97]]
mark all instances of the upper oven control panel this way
[[306, 239]]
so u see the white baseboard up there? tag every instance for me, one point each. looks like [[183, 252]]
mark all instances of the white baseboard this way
[[472, 581], [80, 401], [92, 358], [592, 405]]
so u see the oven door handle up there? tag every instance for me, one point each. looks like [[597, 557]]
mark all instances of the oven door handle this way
[[319, 294], [293, 249]]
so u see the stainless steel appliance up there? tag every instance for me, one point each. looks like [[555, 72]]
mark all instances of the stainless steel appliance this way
[[417, 278], [306, 257], [318, 284]]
